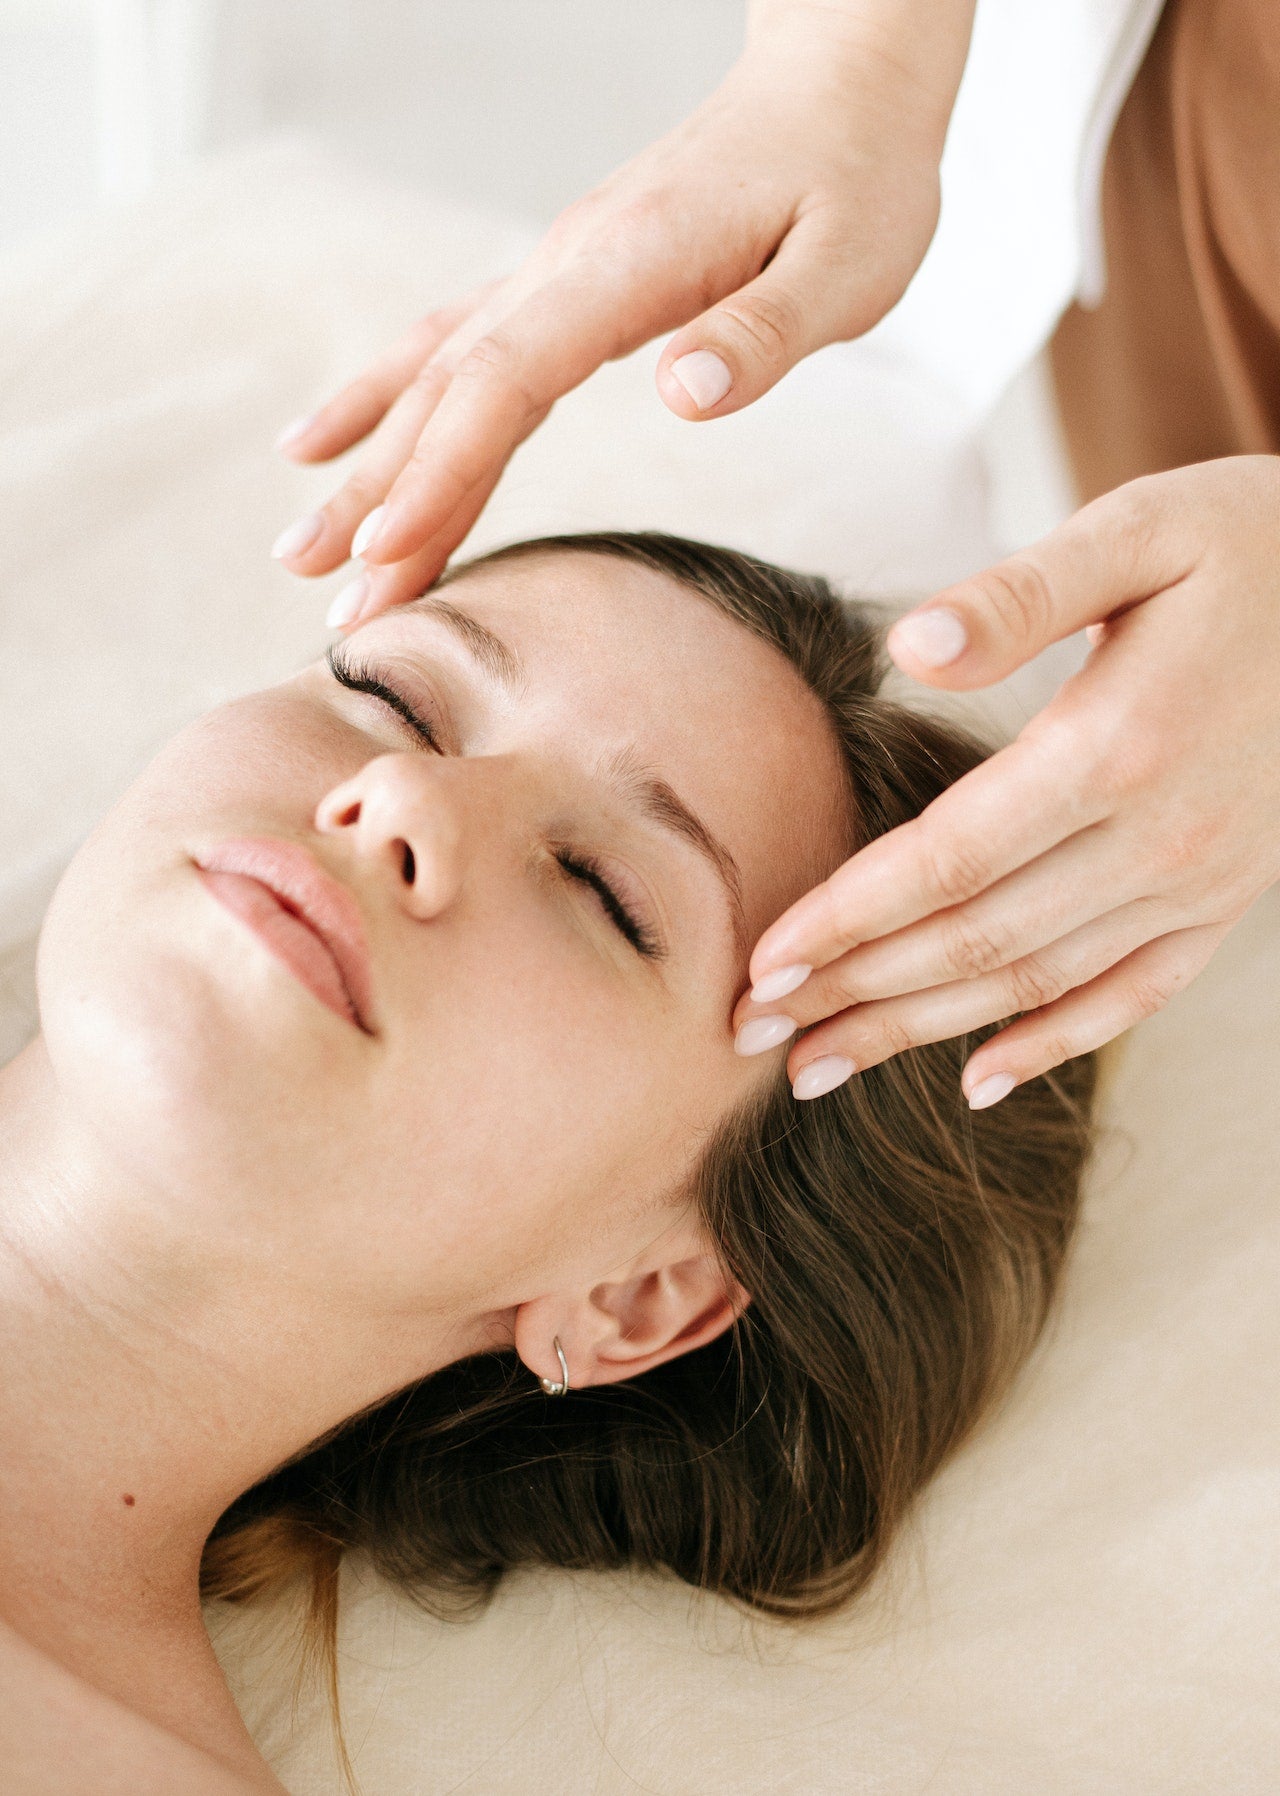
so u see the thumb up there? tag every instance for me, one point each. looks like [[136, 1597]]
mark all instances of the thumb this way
[[734, 353], [1116, 552]]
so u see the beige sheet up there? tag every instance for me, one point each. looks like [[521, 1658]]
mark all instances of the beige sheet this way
[[1090, 1597]]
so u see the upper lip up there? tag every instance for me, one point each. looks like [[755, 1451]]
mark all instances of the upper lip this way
[[319, 900]]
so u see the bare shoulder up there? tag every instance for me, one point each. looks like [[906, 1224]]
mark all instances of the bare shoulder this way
[[61, 1737]]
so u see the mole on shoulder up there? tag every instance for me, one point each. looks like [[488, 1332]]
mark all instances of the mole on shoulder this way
[[129, 1501]]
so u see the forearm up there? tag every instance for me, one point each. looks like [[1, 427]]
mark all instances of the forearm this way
[[915, 47]]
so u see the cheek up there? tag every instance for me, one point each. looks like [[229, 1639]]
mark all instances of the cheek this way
[[191, 1057], [540, 1103], [201, 1071]]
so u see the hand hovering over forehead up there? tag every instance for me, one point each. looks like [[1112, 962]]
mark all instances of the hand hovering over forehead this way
[[1086, 873], [789, 212]]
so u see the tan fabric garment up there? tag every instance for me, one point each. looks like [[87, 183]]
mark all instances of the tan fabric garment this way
[[1181, 362]]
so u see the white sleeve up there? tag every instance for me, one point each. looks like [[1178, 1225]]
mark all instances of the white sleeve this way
[[1020, 233]]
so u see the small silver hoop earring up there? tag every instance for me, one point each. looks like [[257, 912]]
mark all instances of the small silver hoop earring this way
[[551, 1386]]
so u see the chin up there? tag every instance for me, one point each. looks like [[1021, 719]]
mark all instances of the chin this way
[[186, 1048]]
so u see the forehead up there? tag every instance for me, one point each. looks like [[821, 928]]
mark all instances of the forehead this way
[[624, 657]]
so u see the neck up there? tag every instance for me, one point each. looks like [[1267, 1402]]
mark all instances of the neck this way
[[150, 1379]]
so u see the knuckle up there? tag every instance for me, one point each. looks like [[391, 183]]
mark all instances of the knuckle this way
[[839, 989], [1134, 519], [1148, 993], [970, 946], [1099, 754], [767, 324], [565, 228], [953, 869], [634, 229], [1067, 754], [1032, 983], [891, 1036], [494, 360], [1050, 1050], [491, 355], [1151, 986], [432, 377], [1186, 844], [1130, 755], [1020, 595]]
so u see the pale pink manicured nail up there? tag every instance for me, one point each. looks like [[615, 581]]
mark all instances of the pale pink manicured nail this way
[[761, 1033], [822, 1076], [779, 984], [347, 606], [935, 636], [704, 377], [298, 537], [292, 432], [990, 1090], [368, 530]]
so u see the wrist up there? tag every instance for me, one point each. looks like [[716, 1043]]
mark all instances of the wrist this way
[[909, 53]]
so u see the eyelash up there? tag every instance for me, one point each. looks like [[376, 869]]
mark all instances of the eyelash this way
[[363, 679], [582, 867]]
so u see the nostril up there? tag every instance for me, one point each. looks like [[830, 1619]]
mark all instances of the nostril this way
[[407, 865]]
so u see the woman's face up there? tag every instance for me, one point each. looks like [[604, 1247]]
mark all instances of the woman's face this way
[[557, 882]]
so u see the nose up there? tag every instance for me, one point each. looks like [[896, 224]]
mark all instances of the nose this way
[[402, 816]]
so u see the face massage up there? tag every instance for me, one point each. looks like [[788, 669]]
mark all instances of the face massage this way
[[594, 1075]]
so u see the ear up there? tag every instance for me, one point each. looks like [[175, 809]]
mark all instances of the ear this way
[[653, 1313]]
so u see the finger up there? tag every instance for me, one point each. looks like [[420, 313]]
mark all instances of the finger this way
[[354, 411], [1091, 1015], [1095, 873], [1007, 812], [745, 344], [870, 1033], [337, 521], [376, 590], [1114, 553], [501, 388]]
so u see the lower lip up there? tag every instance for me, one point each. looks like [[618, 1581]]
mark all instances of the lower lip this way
[[290, 939]]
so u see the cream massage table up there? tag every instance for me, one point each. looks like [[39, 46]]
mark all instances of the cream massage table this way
[[1088, 1599]]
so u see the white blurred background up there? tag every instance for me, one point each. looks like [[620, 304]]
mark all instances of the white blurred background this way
[[517, 105]]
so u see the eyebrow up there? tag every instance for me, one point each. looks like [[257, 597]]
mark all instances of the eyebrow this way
[[637, 784], [655, 799], [499, 661]]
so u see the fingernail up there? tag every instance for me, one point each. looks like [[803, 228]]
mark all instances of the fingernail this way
[[368, 530], [704, 377], [935, 636], [990, 1090], [821, 1076], [779, 984], [297, 537], [298, 428], [760, 1033], [347, 606]]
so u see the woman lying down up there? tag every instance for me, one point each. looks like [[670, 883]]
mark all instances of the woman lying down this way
[[384, 1176]]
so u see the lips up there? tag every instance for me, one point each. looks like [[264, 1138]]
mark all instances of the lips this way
[[307, 919]]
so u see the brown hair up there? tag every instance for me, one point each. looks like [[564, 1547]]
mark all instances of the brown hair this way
[[900, 1252]]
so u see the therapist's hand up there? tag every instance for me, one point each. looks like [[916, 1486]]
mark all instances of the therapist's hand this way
[[1085, 874], [790, 211]]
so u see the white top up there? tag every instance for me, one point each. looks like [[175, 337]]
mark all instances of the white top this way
[[1020, 234]]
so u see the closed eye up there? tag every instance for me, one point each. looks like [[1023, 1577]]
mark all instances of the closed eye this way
[[363, 679], [583, 868]]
